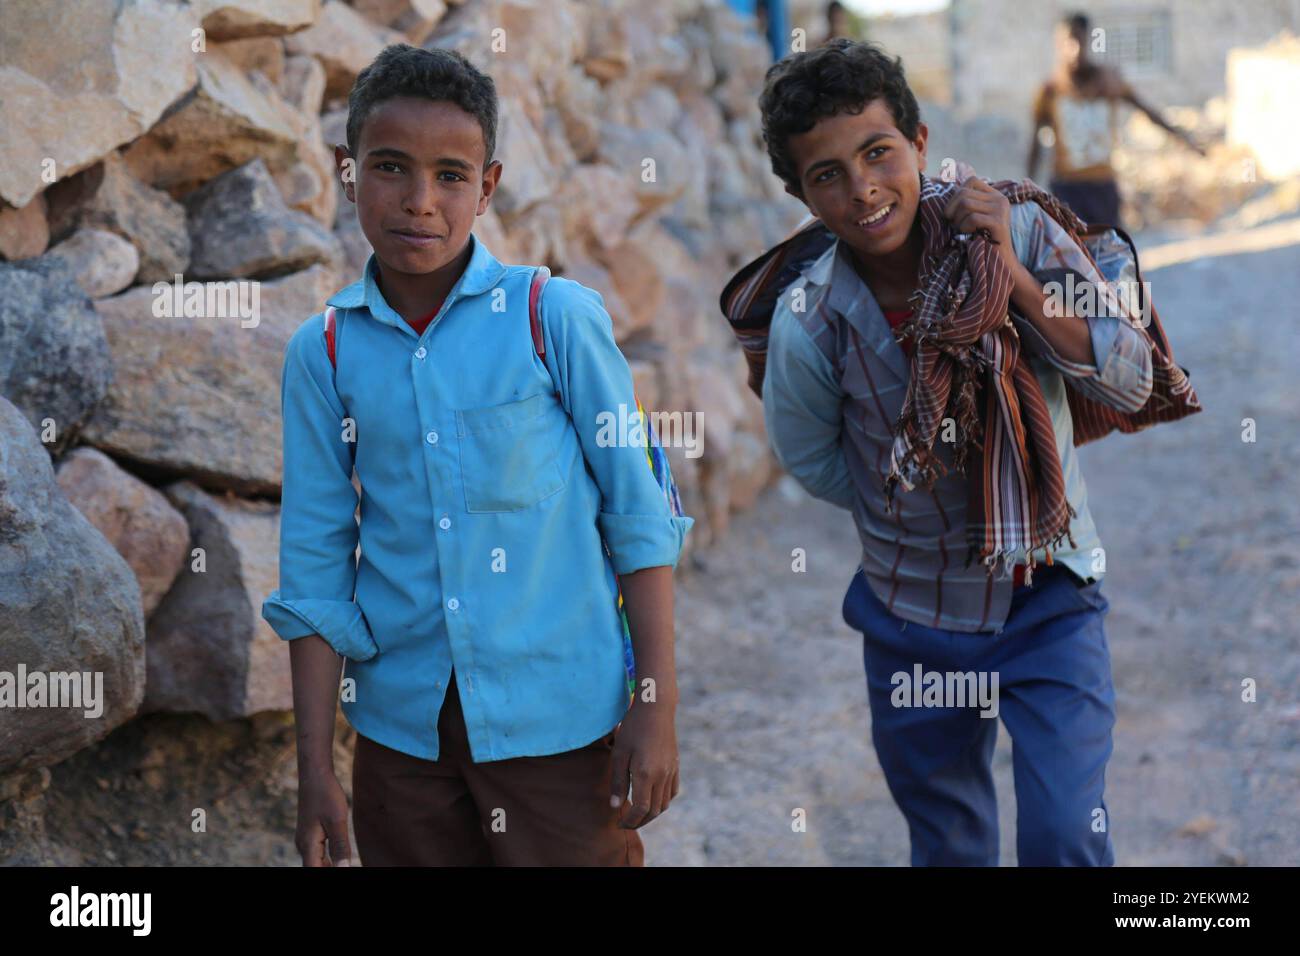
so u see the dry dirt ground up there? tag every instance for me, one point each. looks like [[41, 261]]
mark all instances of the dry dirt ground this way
[[1203, 579]]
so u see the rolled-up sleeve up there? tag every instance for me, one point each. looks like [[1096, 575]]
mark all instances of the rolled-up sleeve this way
[[595, 386], [318, 526], [1121, 373], [803, 409]]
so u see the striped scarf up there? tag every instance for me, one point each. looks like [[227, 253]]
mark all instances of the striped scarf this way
[[967, 365]]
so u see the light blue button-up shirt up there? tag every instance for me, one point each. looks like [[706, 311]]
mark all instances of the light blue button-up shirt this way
[[486, 506]]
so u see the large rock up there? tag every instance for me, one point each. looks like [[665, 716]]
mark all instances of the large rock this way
[[54, 359], [527, 175], [608, 51], [264, 54], [231, 119], [241, 227], [104, 263], [538, 236], [69, 605], [595, 276], [79, 78], [234, 19], [344, 41], [637, 274], [149, 534], [309, 184], [578, 101], [24, 233], [109, 197], [209, 649], [199, 395], [652, 163], [597, 205], [414, 19]]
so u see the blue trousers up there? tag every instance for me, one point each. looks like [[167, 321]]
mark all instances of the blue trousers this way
[[1055, 695]]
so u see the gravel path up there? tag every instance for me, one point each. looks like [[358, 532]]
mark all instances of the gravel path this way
[[1204, 594]]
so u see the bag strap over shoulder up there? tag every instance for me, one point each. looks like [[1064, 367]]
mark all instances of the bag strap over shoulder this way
[[329, 336], [540, 275]]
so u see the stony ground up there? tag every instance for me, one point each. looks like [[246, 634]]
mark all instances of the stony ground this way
[[1203, 580]]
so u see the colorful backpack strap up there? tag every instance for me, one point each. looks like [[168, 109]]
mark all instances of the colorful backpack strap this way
[[329, 335]]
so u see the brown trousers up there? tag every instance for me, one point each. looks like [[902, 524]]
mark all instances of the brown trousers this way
[[523, 811]]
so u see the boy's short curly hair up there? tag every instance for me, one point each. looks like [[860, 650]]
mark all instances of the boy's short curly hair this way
[[404, 70], [841, 76]]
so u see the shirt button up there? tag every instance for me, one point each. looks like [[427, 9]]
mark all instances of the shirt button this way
[[431, 438], [445, 523], [453, 604], [420, 352]]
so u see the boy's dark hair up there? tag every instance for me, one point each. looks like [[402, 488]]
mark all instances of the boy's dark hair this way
[[1077, 22], [404, 70], [841, 76]]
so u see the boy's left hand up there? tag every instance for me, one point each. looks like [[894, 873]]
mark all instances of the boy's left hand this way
[[645, 756], [976, 205]]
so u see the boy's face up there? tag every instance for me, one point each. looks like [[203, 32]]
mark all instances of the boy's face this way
[[419, 182], [852, 167]]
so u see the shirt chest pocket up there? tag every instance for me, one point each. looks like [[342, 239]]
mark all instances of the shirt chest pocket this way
[[509, 453]]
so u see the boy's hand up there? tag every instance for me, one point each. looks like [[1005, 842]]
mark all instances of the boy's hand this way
[[976, 205], [645, 755], [322, 820]]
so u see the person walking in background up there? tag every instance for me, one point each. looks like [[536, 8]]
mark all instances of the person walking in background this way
[[1080, 104], [838, 23]]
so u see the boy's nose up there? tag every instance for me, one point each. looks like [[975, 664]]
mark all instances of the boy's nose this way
[[865, 189], [421, 197]]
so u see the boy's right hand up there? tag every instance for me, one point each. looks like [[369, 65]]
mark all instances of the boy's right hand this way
[[322, 834]]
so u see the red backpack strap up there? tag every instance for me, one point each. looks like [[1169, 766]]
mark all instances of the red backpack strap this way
[[329, 334], [540, 275]]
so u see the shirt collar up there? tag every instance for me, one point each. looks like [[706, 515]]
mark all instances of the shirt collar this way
[[482, 272], [834, 272], [848, 295]]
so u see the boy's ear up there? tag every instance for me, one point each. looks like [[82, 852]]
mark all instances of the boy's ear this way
[[346, 167], [491, 179], [921, 141]]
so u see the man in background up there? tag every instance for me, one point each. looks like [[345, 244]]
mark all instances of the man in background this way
[[1079, 104]]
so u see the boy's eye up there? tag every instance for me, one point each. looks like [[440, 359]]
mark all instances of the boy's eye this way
[[454, 176], [824, 176], [386, 163], [875, 150]]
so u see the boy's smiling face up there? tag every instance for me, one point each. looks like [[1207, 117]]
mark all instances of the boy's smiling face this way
[[861, 176], [420, 183]]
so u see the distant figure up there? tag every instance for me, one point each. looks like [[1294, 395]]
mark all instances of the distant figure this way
[[1079, 103], [837, 22]]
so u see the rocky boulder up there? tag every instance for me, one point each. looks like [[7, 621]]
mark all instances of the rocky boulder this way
[[71, 629], [54, 358], [209, 649]]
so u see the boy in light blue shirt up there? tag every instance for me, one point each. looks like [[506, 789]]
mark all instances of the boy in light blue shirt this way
[[479, 624]]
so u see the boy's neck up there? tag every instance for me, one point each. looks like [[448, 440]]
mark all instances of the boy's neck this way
[[413, 296], [892, 277]]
